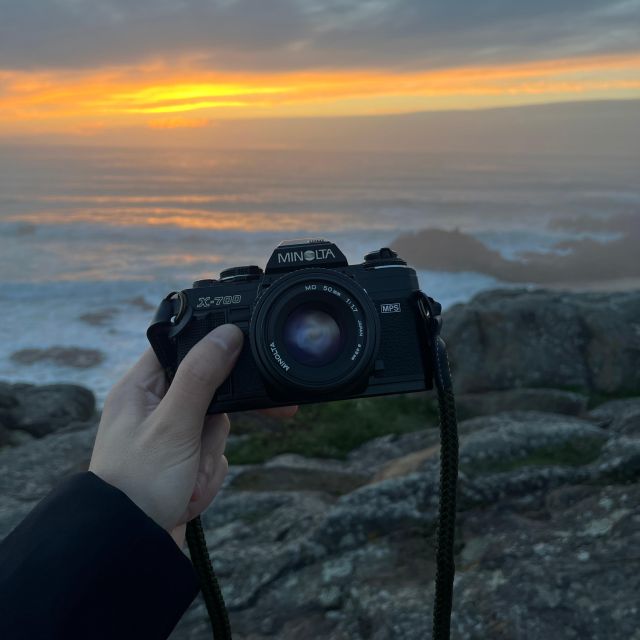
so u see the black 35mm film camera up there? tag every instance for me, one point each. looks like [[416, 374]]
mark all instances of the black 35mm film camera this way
[[316, 328]]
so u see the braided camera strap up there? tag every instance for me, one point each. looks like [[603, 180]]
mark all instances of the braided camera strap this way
[[445, 536], [211, 592]]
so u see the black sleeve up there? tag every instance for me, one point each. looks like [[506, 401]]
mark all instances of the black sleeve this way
[[88, 563]]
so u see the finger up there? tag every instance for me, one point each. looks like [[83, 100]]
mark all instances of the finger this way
[[208, 487], [214, 440], [214, 437], [146, 367], [145, 375], [148, 375], [178, 534], [202, 371], [280, 412]]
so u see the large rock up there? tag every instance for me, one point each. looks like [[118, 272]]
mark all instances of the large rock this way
[[28, 472], [40, 410], [13, 437], [622, 416], [379, 509], [513, 440], [551, 400], [504, 441], [290, 472], [377, 453], [5, 436], [75, 357], [519, 338], [560, 567]]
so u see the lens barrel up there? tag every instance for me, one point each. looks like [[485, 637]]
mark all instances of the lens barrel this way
[[315, 331]]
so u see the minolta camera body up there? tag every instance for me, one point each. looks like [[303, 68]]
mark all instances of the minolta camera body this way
[[316, 328]]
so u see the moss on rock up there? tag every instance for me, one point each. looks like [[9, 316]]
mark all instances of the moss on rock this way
[[572, 453], [332, 430]]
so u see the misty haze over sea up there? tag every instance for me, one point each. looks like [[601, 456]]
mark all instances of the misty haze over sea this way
[[91, 239]]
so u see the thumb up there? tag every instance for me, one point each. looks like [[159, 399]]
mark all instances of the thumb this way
[[201, 372]]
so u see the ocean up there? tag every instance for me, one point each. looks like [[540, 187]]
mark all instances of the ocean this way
[[92, 239]]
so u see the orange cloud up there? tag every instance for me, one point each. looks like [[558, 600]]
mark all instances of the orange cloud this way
[[205, 219], [178, 123], [76, 102]]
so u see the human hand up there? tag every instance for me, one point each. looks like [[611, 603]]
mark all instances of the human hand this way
[[157, 445]]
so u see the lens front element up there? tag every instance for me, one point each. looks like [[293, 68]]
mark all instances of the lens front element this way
[[312, 336]]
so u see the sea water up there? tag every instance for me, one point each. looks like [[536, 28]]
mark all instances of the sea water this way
[[92, 239]]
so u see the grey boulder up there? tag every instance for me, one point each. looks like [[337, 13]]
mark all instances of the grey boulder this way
[[40, 410], [519, 338]]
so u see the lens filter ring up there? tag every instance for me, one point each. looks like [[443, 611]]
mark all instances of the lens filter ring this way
[[316, 331]]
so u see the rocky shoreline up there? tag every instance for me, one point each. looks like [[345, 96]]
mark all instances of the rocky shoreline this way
[[549, 492]]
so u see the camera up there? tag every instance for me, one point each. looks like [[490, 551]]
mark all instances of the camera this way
[[316, 328]]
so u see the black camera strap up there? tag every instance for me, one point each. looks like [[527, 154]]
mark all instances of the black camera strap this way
[[436, 353], [445, 533]]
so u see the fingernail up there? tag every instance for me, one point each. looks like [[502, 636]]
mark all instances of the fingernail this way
[[228, 337]]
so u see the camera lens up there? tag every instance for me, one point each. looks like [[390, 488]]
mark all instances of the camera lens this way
[[312, 336], [314, 332]]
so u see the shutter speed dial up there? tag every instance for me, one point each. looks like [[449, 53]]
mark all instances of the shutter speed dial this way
[[251, 272]]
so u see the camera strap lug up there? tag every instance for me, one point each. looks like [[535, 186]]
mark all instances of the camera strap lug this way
[[168, 314], [430, 311]]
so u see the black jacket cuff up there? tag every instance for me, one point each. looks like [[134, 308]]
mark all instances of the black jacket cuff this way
[[88, 563]]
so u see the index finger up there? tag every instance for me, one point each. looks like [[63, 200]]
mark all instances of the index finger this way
[[280, 412]]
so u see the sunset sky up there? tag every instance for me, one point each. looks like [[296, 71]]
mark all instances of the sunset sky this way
[[88, 68]]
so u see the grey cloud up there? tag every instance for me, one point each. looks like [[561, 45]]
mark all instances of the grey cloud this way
[[297, 34]]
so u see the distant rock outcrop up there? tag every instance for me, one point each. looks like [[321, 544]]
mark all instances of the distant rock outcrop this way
[[582, 260]]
